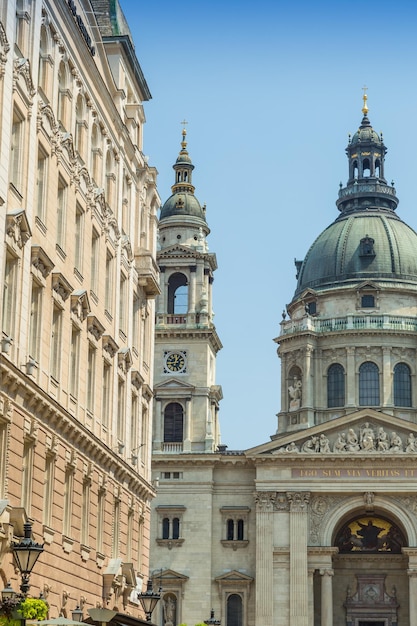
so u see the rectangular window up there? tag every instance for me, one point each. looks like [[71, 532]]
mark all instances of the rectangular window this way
[[136, 322], [79, 238], [95, 261], [3, 458], [116, 528], [35, 321], [121, 407], [68, 497], [10, 295], [74, 362], [91, 376], [16, 151], [48, 494], [129, 535], [27, 475], [41, 178], [135, 423], [144, 435], [61, 215], [123, 304], [100, 518], [105, 405], [56, 343], [108, 300], [85, 513]]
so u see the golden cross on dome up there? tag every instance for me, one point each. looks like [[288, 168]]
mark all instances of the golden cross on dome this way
[[184, 123], [365, 98]]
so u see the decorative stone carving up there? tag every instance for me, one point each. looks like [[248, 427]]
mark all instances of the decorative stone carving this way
[[294, 392], [298, 501], [17, 227], [281, 502], [265, 501]]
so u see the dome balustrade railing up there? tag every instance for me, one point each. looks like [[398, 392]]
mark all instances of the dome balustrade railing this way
[[350, 322]]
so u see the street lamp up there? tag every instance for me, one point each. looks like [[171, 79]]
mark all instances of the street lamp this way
[[26, 553], [212, 621], [149, 599], [77, 614], [9, 601]]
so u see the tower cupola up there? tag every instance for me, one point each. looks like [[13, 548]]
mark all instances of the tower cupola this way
[[366, 187]]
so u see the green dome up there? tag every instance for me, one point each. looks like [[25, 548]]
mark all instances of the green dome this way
[[366, 133], [339, 255], [184, 204]]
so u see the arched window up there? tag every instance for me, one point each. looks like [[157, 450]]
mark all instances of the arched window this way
[[175, 528], [402, 385], [377, 168], [366, 168], [234, 611], [165, 528], [177, 294], [368, 384], [173, 422], [335, 385]]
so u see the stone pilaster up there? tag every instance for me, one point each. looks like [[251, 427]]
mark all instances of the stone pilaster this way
[[412, 583], [187, 425], [310, 574], [326, 597], [299, 613], [308, 378], [350, 377], [192, 290], [264, 554], [386, 391]]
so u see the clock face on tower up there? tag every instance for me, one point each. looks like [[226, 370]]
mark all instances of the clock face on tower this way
[[175, 362]]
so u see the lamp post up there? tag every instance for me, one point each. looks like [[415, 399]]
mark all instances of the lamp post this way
[[149, 599], [77, 614], [9, 601], [26, 553], [212, 621]]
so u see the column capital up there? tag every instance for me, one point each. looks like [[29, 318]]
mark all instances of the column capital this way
[[326, 572], [298, 501], [265, 501]]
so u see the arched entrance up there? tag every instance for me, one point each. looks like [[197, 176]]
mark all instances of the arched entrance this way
[[370, 584]]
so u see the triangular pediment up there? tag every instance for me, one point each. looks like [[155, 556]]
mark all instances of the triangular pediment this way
[[172, 383], [170, 574], [234, 576], [363, 432], [177, 250], [368, 284]]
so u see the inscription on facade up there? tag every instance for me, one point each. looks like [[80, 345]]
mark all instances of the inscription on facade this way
[[382, 472]]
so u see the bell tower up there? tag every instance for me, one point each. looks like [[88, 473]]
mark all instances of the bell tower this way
[[186, 342]]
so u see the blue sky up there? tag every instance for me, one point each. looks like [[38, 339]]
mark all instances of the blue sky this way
[[270, 91]]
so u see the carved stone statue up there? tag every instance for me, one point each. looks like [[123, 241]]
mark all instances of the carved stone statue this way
[[367, 437], [169, 611], [411, 443], [352, 443], [340, 443], [396, 445], [382, 440], [294, 391]]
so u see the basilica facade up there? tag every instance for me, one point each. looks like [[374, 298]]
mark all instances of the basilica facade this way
[[318, 526]]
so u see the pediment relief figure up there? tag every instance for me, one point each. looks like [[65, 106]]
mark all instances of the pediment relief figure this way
[[362, 438]]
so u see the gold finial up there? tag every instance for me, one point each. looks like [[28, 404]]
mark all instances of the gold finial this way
[[184, 133], [365, 98]]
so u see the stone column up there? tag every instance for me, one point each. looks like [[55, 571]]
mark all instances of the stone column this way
[[326, 597], [350, 377], [307, 394], [158, 424], [299, 613], [311, 597], [187, 425], [386, 391], [264, 553], [191, 296], [412, 583]]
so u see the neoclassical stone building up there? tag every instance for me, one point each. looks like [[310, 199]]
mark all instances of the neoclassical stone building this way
[[317, 527], [79, 276]]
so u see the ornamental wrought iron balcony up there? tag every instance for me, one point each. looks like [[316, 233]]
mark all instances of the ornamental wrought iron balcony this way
[[350, 322], [148, 272]]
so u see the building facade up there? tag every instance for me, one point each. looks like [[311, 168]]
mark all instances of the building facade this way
[[79, 276], [317, 527]]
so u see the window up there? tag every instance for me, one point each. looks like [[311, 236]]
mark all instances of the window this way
[[44, 62], [35, 321], [235, 519], [80, 126], [95, 154], [16, 148], [234, 611], [335, 386], [123, 305], [56, 343], [41, 179], [3, 457], [27, 474], [48, 495], [173, 422], [79, 238], [10, 295], [402, 385], [121, 435], [368, 302], [110, 179], [368, 384], [85, 511], [61, 214], [91, 378], [101, 502], [136, 322], [177, 294], [105, 403], [108, 299], [63, 95], [74, 361], [170, 522], [116, 527], [311, 308], [95, 260], [68, 497]]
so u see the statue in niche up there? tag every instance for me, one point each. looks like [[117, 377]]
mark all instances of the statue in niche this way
[[294, 391], [169, 611]]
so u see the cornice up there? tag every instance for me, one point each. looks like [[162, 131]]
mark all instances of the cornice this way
[[173, 332]]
